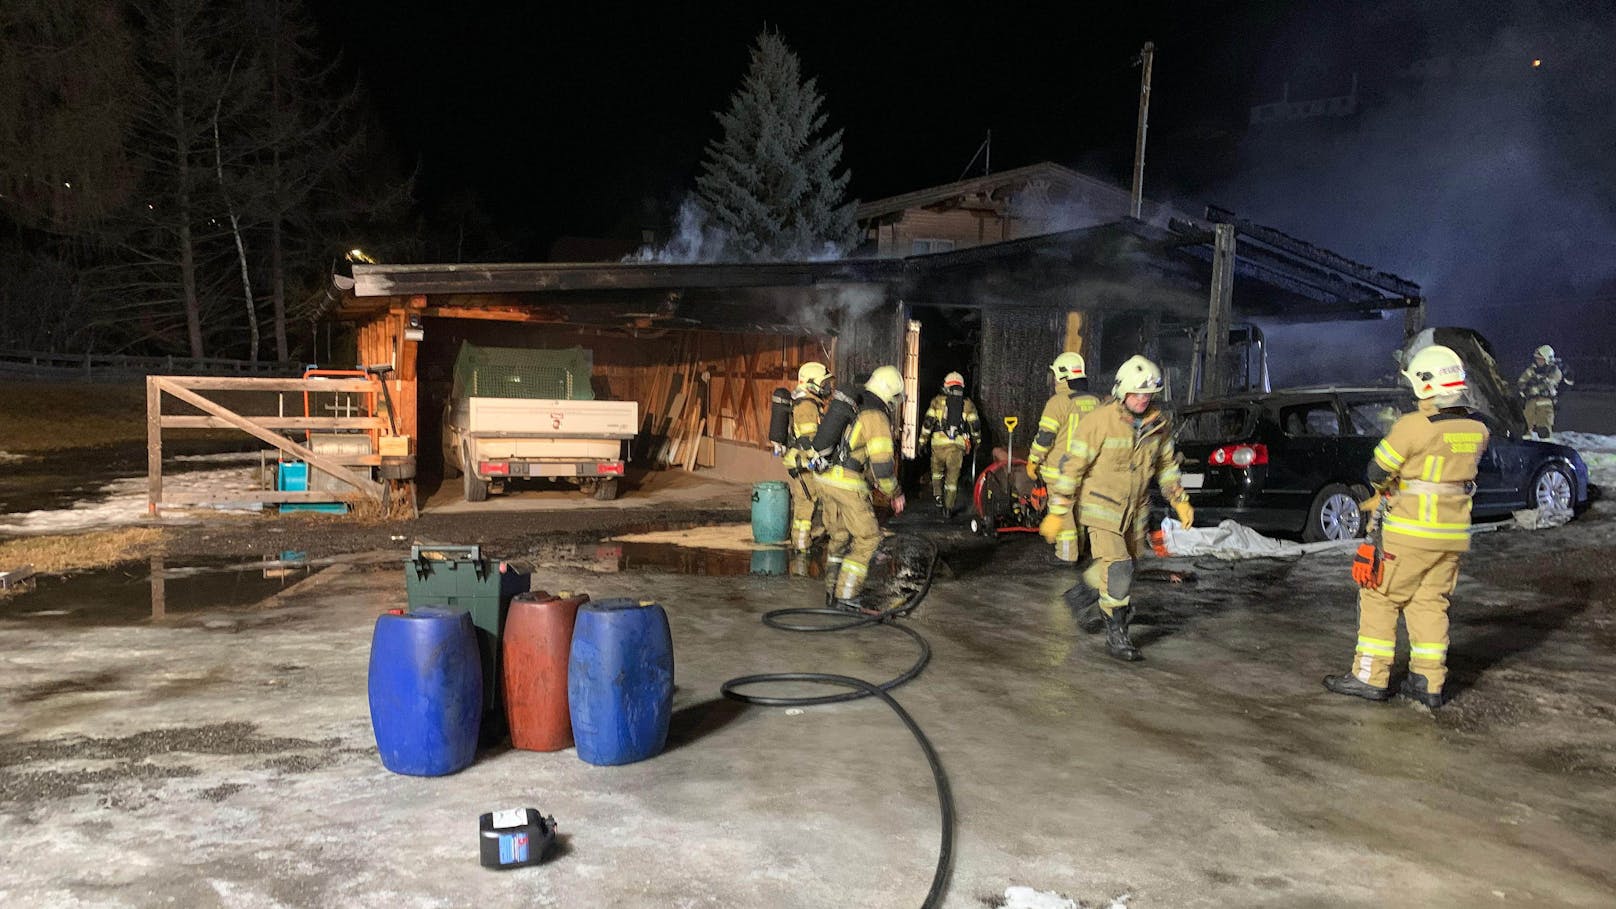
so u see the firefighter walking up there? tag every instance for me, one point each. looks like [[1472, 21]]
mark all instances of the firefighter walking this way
[[1057, 429], [807, 403], [1423, 473], [952, 428], [865, 455], [1539, 385], [1112, 457]]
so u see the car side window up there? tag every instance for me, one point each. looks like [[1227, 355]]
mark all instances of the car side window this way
[[1372, 418], [1316, 419]]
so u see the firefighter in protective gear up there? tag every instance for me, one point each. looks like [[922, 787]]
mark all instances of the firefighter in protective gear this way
[[1116, 451], [866, 455], [1539, 385], [1426, 466], [1057, 429], [807, 403], [952, 428]]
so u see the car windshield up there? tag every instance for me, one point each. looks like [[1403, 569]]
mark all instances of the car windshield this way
[[1215, 425]]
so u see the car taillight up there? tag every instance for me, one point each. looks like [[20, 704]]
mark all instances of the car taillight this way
[[1239, 455], [495, 468], [613, 468]]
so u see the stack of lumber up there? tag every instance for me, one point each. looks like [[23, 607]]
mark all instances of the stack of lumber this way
[[674, 424]]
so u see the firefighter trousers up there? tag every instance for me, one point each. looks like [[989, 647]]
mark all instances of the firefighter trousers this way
[[805, 519], [1069, 539], [1415, 584], [1111, 572], [854, 537], [1540, 416], [946, 461]]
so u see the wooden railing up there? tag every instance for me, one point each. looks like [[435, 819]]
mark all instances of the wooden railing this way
[[90, 367], [264, 428]]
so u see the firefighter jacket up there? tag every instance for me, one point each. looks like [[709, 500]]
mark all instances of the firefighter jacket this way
[[1540, 381], [805, 412], [866, 451], [1113, 456], [1062, 412], [1427, 464], [951, 420]]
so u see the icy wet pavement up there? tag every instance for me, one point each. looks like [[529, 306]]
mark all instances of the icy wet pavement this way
[[226, 759]]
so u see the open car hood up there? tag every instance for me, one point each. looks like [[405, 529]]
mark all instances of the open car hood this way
[[1488, 392]]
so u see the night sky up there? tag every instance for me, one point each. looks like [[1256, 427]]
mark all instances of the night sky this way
[[1486, 179]]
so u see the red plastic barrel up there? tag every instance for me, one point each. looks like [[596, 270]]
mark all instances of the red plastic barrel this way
[[538, 640]]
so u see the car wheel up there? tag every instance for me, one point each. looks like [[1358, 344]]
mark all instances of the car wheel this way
[[1333, 516], [1551, 489], [476, 490]]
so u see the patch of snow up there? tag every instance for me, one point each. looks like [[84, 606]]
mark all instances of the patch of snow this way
[[229, 457], [7, 457], [122, 503], [1028, 898], [1585, 442]]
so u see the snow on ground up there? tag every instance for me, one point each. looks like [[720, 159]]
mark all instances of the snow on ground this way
[[122, 503], [1599, 452], [7, 457]]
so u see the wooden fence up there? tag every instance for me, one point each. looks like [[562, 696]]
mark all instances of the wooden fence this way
[[264, 428], [109, 367]]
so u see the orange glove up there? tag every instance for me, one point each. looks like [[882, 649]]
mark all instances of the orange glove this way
[[1049, 527], [1366, 566], [1032, 469]]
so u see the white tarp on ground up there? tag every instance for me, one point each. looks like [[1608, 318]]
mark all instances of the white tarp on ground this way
[[1230, 540]]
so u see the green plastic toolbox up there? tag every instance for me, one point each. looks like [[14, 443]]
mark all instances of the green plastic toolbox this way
[[460, 577]]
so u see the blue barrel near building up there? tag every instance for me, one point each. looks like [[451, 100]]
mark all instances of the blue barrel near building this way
[[426, 691], [620, 681], [771, 512]]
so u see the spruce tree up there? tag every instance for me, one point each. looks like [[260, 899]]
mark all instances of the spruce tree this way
[[771, 180]]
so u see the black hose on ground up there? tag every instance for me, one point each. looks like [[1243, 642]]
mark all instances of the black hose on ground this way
[[861, 689]]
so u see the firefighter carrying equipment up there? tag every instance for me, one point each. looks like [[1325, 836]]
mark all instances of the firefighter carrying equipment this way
[[951, 428], [839, 415], [866, 453], [807, 522], [1435, 370], [1137, 376]]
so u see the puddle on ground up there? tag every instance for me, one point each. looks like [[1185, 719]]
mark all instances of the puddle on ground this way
[[613, 557], [133, 592]]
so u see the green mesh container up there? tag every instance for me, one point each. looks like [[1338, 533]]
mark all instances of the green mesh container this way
[[516, 372]]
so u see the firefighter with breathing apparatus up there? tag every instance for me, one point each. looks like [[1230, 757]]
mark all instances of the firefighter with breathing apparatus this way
[[1057, 430], [952, 428], [863, 453], [806, 403], [1423, 473], [1539, 385], [1112, 457]]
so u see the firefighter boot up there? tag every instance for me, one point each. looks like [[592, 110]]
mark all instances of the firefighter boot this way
[[1348, 684], [1416, 688], [1084, 601], [1117, 643]]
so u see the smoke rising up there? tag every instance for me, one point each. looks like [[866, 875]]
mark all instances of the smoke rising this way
[[1467, 169], [697, 238]]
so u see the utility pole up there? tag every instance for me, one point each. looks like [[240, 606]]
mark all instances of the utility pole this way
[[1220, 308], [1147, 57]]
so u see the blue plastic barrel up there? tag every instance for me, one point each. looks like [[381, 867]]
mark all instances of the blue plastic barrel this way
[[620, 681], [426, 691], [771, 512]]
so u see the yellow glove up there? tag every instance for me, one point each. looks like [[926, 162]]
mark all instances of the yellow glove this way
[[1186, 514], [1049, 527], [1370, 505], [1032, 469]]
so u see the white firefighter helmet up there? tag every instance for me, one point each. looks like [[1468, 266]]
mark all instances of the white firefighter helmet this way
[[1068, 366], [813, 376], [886, 383], [1434, 371], [953, 380], [1137, 376], [1546, 352]]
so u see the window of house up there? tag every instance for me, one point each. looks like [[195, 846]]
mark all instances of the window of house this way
[[921, 247]]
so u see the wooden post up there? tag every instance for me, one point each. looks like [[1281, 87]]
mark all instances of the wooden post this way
[[1147, 58], [159, 588], [1215, 372], [1414, 319], [154, 445]]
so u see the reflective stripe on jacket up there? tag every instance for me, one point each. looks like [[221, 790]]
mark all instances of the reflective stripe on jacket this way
[[805, 412], [869, 454], [1113, 460], [936, 423], [1062, 412], [1429, 447]]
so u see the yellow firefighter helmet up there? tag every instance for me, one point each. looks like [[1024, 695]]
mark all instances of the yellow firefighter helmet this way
[[1068, 366], [814, 377], [1137, 376], [1546, 352], [1435, 370], [886, 383]]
